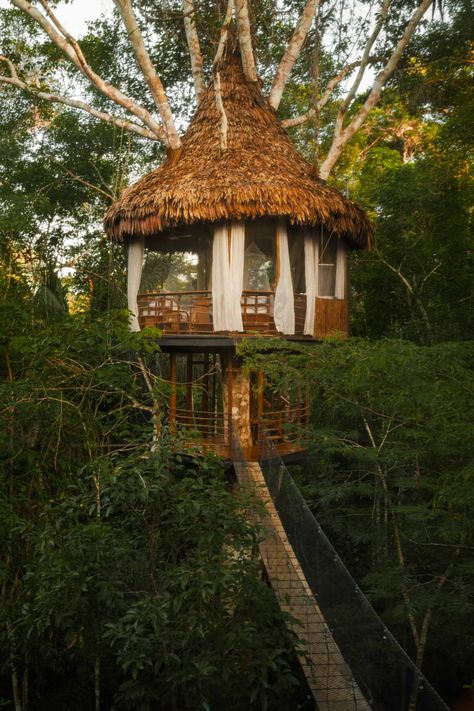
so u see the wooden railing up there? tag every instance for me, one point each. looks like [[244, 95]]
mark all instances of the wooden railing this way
[[191, 312], [210, 431]]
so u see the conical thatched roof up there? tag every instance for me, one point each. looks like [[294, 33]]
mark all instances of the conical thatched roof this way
[[259, 174]]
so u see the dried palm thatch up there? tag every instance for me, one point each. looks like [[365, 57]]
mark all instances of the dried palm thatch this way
[[259, 174]]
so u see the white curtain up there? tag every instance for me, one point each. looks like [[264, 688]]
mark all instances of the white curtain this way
[[227, 277], [341, 266], [311, 272], [284, 308], [220, 277], [136, 248], [237, 255]]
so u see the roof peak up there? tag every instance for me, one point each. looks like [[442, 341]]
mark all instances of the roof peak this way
[[258, 174]]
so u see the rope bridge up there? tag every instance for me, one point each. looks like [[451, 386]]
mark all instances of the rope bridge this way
[[351, 661]]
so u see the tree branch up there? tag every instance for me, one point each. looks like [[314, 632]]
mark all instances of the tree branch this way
[[323, 100], [14, 80], [411, 291], [343, 135], [70, 47], [366, 56], [192, 38], [292, 52], [245, 39], [216, 75], [149, 72]]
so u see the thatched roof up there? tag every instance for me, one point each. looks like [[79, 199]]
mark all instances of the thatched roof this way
[[259, 174]]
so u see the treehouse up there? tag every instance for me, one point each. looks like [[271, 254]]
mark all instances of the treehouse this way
[[233, 238]]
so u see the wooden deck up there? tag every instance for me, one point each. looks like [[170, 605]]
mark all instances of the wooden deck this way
[[190, 313]]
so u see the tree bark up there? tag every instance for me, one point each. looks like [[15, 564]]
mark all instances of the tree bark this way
[[245, 39], [15, 81], [216, 76]]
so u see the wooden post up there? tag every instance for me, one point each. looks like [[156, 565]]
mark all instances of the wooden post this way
[[205, 394], [229, 384], [189, 389], [173, 392], [260, 385]]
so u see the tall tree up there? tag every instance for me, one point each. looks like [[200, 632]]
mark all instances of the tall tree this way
[[372, 33]]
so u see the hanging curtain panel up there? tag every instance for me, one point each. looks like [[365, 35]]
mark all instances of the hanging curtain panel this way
[[237, 255], [220, 277], [311, 269], [136, 250], [284, 308], [227, 276], [341, 270]]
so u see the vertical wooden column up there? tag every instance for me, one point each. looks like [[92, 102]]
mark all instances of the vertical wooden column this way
[[260, 386], [172, 410], [189, 389], [205, 395], [228, 401]]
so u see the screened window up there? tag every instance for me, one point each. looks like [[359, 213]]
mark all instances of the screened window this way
[[296, 249], [259, 257], [171, 266], [327, 264]]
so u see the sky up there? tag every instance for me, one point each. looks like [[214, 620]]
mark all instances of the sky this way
[[75, 15]]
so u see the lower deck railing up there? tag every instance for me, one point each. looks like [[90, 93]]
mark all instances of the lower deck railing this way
[[211, 431]]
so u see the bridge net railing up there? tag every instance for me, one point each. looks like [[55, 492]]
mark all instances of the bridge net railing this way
[[383, 672]]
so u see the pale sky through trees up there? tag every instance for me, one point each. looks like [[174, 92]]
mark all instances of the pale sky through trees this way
[[76, 14]]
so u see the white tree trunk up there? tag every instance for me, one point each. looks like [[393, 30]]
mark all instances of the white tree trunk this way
[[292, 52], [245, 39], [149, 72], [194, 47]]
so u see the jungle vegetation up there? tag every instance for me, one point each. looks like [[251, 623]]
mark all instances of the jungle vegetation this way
[[127, 578]]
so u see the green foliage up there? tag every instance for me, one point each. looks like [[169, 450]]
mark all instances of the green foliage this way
[[126, 570], [391, 479], [148, 564]]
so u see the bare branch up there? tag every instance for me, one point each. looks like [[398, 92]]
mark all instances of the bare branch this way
[[245, 39], [149, 71], [14, 80], [292, 52], [343, 135], [70, 47], [192, 38], [323, 100], [411, 293], [78, 179], [366, 55]]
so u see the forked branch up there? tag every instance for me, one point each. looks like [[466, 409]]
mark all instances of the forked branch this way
[[343, 135], [14, 80], [326, 95], [71, 49]]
